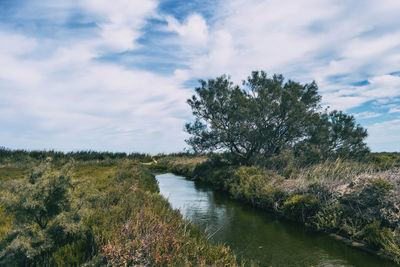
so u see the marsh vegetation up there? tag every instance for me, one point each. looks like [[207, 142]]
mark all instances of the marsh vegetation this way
[[90, 208], [357, 200]]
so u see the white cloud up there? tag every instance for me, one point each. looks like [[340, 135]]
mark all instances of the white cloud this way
[[384, 136], [120, 21], [63, 97], [306, 40], [380, 89], [96, 106], [68, 100], [367, 115], [15, 44], [13, 47], [193, 31], [394, 110]]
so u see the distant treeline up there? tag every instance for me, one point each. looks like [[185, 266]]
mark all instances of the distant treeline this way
[[23, 155], [381, 160], [385, 160]]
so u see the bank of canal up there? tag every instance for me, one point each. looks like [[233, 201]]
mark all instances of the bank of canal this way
[[257, 235]]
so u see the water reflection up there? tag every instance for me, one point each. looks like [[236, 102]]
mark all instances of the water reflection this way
[[257, 235]]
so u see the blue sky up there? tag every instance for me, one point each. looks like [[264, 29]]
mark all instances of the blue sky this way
[[115, 75]]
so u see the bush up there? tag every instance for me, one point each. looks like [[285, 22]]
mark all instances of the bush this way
[[366, 199], [159, 167], [214, 171], [329, 218], [44, 220], [254, 185], [300, 207], [380, 237], [6, 221], [377, 236], [73, 254], [379, 186]]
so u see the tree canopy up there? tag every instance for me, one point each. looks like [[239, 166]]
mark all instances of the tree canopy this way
[[267, 116]]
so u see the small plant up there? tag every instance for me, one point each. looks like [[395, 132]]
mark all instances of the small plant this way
[[352, 227], [379, 186], [254, 185], [6, 221], [382, 238], [329, 218]]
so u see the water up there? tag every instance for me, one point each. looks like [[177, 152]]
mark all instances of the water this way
[[258, 235]]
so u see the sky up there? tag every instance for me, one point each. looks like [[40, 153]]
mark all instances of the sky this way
[[115, 75]]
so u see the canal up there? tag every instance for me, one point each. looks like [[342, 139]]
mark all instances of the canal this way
[[256, 235]]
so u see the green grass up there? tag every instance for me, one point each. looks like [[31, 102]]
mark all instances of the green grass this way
[[13, 172]]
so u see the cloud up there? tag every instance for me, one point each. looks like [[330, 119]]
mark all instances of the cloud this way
[[384, 136], [306, 40], [86, 104], [193, 32], [367, 115], [394, 110], [63, 86], [120, 21], [67, 99]]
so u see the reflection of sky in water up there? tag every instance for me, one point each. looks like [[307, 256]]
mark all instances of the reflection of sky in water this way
[[196, 205], [255, 234]]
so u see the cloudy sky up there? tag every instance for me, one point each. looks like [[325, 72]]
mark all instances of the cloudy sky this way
[[115, 75]]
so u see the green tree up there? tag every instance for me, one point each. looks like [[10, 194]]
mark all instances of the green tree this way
[[334, 134], [43, 218], [266, 117]]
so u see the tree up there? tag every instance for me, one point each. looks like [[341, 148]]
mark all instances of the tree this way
[[334, 134], [267, 116]]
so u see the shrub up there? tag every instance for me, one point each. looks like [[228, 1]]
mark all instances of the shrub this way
[[300, 207], [255, 185], [352, 226], [382, 238], [377, 236], [151, 233], [44, 220], [329, 218], [159, 167], [365, 199], [214, 172], [6, 221], [73, 254], [379, 186], [284, 163]]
